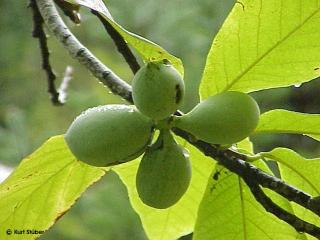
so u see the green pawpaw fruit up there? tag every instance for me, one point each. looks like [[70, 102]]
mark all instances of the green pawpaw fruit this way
[[157, 89], [225, 118], [110, 134], [164, 173]]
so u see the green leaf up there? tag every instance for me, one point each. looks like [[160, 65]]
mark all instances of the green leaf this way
[[179, 219], [42, 188], [147, 49], [229, 211], [245, 146], [262, 45], [282, 121], [301, 173]]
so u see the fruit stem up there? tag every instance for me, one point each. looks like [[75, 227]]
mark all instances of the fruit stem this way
[[253, 158], [166, 123]]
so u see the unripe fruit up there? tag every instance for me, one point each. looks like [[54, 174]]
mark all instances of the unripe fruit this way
[[157, 89], [107, 135], [164, 173], [225, 118]]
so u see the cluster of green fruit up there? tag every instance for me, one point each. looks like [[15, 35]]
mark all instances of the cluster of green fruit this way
[[114, 134]]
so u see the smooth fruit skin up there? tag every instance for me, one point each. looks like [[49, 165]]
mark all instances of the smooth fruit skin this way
[[110, 134], [157, 89], [164, 173], [225, 118]]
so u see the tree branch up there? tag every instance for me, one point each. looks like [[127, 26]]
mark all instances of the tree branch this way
[[227, 158], [120, 43], [233, 163], [56, 25], [65, 84], [299, 224], [39, 33]]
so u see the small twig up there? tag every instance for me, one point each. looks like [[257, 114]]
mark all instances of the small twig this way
[[299, 224], [64, 84], [39, 33], [267, 181], [121, 44], [56, 25], [231, 161]]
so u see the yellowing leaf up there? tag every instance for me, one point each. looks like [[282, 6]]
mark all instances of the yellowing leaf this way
[[147, 49], [264, 44], [229, 211], [282, 121], [42, 188]]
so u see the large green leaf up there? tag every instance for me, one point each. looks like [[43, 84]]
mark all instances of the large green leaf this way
[[147, 49], [264, 44], [301, 173], [43, 187], [282, 121], [229, 211], [179, 219]]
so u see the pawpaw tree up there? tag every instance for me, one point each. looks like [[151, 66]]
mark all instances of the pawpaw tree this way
[[190, 172]]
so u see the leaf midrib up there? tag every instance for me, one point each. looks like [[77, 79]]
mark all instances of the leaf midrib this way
[[234, 81], [37, 188], [287, 131], [243, 215]]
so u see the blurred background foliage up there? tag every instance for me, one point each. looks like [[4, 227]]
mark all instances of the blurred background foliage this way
[[27, 117]]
